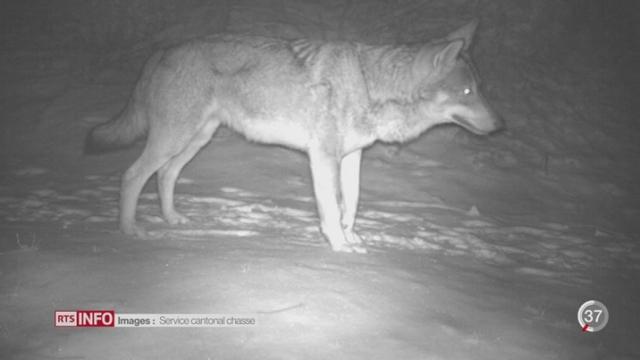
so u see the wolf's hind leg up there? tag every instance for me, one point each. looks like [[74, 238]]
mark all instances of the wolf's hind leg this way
[[153, 157], [350, 186], [168, 174]]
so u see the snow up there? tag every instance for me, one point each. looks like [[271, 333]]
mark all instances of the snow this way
[[479, 248]]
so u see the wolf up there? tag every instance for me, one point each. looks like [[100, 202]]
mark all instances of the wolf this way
[[329, 99]]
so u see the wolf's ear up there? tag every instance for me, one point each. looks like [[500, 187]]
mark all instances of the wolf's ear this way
[[464, 33], [437, 58], [446, 57]]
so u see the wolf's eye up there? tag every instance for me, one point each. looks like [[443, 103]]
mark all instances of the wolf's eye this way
[[466, 91]]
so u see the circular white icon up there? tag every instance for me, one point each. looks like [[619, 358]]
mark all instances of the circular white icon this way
[[593, 316]]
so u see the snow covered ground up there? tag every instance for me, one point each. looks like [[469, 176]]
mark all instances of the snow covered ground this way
[[480, 248]]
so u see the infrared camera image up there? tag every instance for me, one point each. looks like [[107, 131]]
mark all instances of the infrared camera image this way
[[298, 179]]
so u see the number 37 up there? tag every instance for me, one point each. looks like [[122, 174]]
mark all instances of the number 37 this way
[[588, 316]]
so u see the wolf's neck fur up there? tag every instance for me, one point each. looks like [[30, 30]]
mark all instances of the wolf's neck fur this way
[[399, 122], [387, 72], [397, 114]]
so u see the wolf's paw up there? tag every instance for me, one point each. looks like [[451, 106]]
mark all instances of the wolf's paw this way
[[358, 249], [352, 238], [176, 218], [135, 231], [349, 248]]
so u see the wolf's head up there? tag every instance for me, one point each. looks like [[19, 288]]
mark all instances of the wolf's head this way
[[448, 88]]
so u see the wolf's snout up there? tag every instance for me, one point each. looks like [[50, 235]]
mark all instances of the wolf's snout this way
[[499, 124], [494, 124], [480, 126]]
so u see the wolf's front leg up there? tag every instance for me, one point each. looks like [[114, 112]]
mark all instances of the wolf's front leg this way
[[350, 187], [324, 170]]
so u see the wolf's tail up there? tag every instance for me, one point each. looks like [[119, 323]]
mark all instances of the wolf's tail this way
[[122, 130]]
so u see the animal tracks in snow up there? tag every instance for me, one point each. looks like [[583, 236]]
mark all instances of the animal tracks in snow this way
[[415, 226]]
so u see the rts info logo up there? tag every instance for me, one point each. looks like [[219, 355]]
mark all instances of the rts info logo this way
[[85, 318]]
